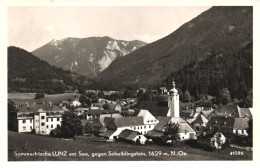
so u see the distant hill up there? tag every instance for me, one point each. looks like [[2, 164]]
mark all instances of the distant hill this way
[[220, 32], [86, 56], [27, 73]]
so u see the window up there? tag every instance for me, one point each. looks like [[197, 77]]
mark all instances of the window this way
[[30, 120], [58, 119], [51, 126], [31, 128], [47, 120], [52, 120], [134, 128], [149, 126], [58, 125], [144, 127], [42, 117], [42, 124], [47, 126], [24, 121], [24, 128]]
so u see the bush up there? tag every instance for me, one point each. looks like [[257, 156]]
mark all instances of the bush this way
[[33, 131]]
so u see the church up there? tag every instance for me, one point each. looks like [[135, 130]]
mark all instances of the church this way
[[173, 116]]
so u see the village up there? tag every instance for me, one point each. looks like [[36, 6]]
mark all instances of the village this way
[[141, 122]]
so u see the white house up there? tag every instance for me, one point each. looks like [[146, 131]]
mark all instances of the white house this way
[[143, 122], [75, 103], [240, 126], [41, 117]]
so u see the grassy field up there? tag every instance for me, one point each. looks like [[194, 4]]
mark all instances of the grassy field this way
[[29, 97], [96, 150]]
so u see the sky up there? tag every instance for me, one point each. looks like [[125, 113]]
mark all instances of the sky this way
[[32, 27]]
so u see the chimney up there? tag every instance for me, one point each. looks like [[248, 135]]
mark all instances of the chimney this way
[[27, 104]]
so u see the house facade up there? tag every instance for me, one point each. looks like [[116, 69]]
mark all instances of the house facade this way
[[132, 137], [143, 122], [43, 118], [240, 126]]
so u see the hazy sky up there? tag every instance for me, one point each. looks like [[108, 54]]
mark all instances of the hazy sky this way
[[32, 27]]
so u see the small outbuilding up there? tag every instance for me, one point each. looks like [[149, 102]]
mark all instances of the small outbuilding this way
[[132, 137], [211, 139]]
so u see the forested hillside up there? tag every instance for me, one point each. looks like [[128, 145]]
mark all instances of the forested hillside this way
[[234, 71], [213, 42], [27, 73]]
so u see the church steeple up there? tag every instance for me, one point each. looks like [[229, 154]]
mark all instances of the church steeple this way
[[173, 102]]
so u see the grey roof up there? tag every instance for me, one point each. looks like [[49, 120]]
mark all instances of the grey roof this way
[[162, 122], [241, 123], [200, 119], [102, 129], [183, 125], [155, 134], [130, 121], [95, 112], [107, 133], [36, 107], [103, 116], [207, 113], [128, 134], [228, 110], [246, 112], [222, 121]]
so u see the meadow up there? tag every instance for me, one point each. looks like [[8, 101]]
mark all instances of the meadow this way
[[91, 148], [21, 98]]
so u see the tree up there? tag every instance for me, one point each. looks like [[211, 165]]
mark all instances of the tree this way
[[224, 96], [89, 128], [39, 95], [12, 111], [70, 125], [83, 99], [248, 101], [250, 128], [106, 106], [187, 96], [172, 132]]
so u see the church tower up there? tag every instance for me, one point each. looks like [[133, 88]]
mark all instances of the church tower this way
[[173, 102]]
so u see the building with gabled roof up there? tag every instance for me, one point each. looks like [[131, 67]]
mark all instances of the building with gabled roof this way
[[240, 126], [246, 113], [173, 117], [228, 110], [211, 138], [198, 122], [99, 122], [41, 117], [132, 136], [142, 122], [185, 130], [224, 123], [109, 134]]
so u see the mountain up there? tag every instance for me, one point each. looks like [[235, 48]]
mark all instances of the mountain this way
[[86, 56], [27, 73], [218, 32]]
